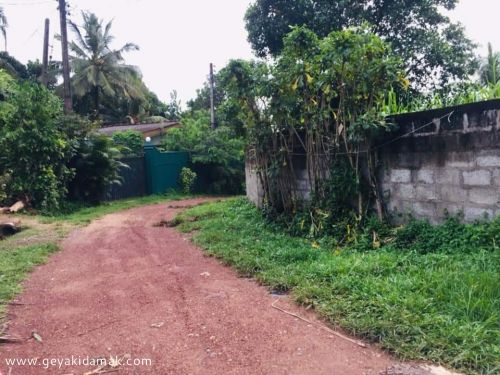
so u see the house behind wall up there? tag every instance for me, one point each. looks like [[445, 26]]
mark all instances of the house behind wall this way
[[445, 160]]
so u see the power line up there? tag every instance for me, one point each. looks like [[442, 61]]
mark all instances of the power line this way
[[38, 28]]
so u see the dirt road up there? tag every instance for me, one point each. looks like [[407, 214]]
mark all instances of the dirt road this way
[[124, 287]]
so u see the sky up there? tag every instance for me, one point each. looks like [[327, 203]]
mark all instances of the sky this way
[[179, 38]]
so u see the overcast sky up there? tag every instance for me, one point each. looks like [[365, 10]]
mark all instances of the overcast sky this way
[[179, 38]]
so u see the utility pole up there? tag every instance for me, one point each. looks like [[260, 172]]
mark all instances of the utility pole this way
[[68, 100], [212, 108], [45, 60]]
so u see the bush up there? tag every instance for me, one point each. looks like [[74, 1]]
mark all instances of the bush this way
[[129, 142], [96, 167], [33, 150], [188, 177], [449, 237]]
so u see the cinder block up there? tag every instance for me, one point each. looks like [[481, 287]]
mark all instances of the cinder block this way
[[477, 178], [496, 177], [424, 210], [484, 196], [488, 161], [405, 191], [426, 176], [400, 176], [455, 194], [460, 160], [427, 193], [408, 160], [400, 206], [477, 213], [451, 209], [446, 176]]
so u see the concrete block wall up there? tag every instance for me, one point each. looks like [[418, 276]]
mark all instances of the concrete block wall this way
[[440, 160], [451, 165], [429, 189]]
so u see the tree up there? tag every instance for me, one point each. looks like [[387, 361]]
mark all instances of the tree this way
[[13, 66], [99, 70], [3, 26], [34, 150], [173, 110], [319, 98], [228, 108], [490, 68], [202, 99], [434, 49], [35, 68]]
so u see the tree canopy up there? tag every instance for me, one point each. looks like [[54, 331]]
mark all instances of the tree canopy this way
[[98, 69], [434, 49], [490, 68]]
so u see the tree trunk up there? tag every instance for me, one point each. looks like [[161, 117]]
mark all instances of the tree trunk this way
[[96, 102]]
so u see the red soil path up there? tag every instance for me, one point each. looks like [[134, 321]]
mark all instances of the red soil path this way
[[122, 286]]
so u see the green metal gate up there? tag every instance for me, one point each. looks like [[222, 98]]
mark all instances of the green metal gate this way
[[163, 169]]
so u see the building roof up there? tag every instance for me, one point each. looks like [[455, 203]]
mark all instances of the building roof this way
[[143, 128]]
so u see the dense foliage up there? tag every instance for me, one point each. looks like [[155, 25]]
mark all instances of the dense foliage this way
[[96, 167], [320, 99], [34, 150], [129, 142], [434, 49], [45, 156]]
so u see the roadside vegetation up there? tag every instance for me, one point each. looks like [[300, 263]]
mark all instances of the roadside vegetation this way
[[423, 292]]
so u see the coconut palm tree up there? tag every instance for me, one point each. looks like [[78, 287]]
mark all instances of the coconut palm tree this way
[[100, 71], [3, 26], [490, 69]]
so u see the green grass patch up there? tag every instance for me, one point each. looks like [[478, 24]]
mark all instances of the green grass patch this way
[[79, 215], [440, 305], [16, 264]]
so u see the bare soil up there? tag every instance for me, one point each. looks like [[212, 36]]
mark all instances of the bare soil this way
[[126, 287]]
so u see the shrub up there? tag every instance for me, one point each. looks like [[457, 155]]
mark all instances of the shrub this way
[[33, 149], [96, 167], [129, 142], [188, 177], [449, 237]]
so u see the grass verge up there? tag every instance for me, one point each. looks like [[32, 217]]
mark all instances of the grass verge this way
[[437, 306], [79, 215], [16, 264]]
